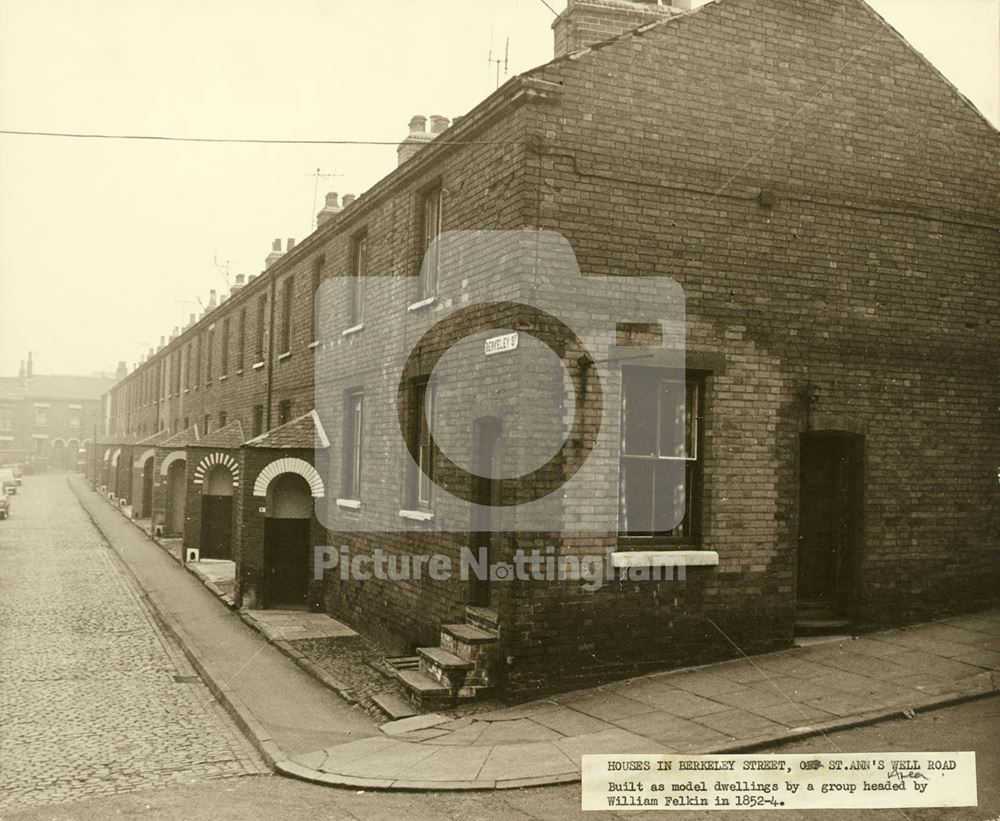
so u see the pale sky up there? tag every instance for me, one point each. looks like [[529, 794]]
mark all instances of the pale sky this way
[[87, 224]]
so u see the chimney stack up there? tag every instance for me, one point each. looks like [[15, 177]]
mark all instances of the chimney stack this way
[[348, 199], [585, 22], [439, 123], [21, 373], [289, 245], [275, 255], [415, 140], [122, 371], [212, 299], [330, 209], [238, 284], [31, 368]]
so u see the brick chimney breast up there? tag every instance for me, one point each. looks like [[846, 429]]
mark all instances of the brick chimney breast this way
[[275, 255], [585, 22], [330, 209], [416, 139]]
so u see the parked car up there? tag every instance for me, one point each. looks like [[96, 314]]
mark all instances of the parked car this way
[[4, 506], [9, 480]]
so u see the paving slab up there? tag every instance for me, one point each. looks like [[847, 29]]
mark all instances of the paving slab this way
[[418, 722], [510, 761], [448, 764], [731, 705]]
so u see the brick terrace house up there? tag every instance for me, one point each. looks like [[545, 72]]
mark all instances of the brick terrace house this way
[[47, 421], [825, 200]]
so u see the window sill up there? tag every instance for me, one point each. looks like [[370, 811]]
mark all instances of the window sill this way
[[257, 366], [313, 345], [354, 328], [223, 378], [284, 356], [239, 371], [423, 303], [664, 558], [417, 515], [349, 504]]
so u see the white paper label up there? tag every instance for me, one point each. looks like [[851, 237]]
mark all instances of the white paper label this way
[[779, 782]]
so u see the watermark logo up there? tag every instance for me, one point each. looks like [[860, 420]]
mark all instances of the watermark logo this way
[[592, 572], [486, 394]]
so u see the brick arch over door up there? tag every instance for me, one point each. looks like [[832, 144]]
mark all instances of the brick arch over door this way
[[171, 458], [289, 465], [141, 460], [114, 458], [213, 459]]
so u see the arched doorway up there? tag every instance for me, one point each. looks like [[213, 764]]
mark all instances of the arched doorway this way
[[217, 514], [59, 454], [287, 529], [73, 454], [146, 509], [831, 520], [176, 492]]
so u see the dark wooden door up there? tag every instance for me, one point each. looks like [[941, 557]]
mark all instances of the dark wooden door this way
[[216, 527], [830, 515], [482, 537], [147, 488], [286, 562]]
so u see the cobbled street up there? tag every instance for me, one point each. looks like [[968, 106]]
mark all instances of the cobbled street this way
[[94, 699]]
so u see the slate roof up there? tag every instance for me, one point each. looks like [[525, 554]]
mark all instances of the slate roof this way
[[305, 432], [228, 436], [156, 438], [182, 439]]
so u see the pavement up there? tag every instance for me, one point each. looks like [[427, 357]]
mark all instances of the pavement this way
[[95, 700], [284, 710], [739, 705]]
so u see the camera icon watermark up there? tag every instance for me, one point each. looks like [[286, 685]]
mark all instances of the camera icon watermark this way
[[498, 401]]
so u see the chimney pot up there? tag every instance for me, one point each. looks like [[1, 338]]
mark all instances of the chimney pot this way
[[240, 279], [418, 124], [276, 245], [329, 210], [348, 199], [439, 123], [290, 244]]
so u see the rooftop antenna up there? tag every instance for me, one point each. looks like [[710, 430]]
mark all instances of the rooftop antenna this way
[[222, 266], [498, 62], [318, 174]]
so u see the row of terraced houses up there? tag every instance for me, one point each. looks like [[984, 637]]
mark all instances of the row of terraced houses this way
[[810, 203]]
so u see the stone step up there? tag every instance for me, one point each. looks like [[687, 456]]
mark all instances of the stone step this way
[[424, 692], [475, 645], [393, 706], [468, 634], [484, 618], [444, 666]]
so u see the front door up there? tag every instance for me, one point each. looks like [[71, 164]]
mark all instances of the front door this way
[[216, 527], [830, 517], [176, 488], [147, 488], [286, 562], [482, 537]]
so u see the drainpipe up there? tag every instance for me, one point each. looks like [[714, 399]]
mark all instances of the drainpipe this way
[[269, 341]]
